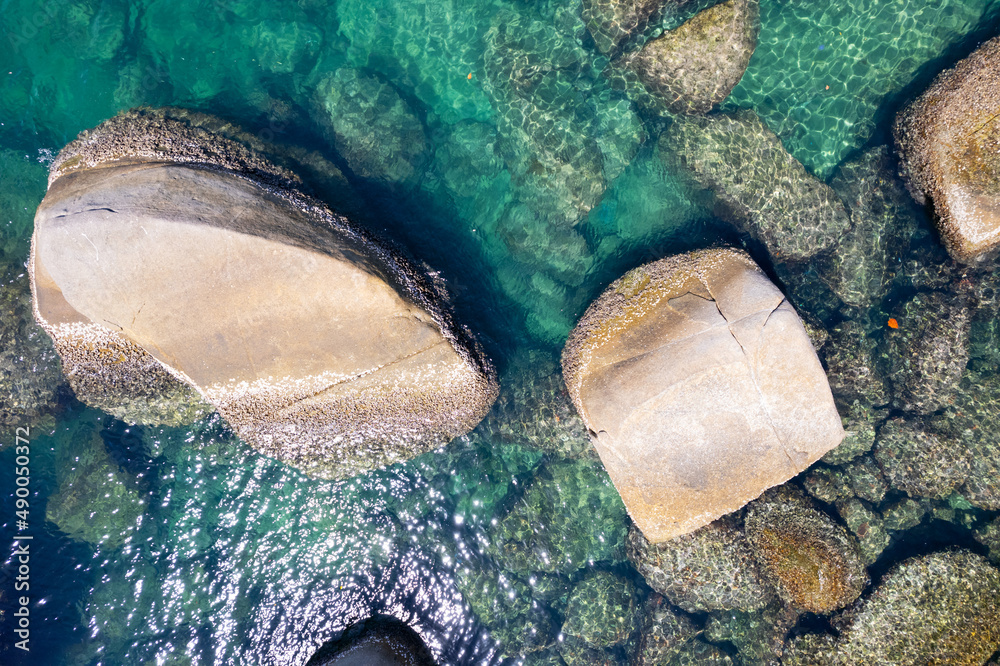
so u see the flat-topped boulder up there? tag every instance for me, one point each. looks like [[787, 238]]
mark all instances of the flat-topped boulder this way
[[701, 388], [949, 143], [319, 345]]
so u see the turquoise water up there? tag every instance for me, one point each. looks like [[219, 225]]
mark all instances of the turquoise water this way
[[513, 170]]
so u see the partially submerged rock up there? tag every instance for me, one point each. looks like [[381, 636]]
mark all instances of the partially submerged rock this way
[[756, 183], [694, 67], [949, 141], [163, 247], [701, 388]]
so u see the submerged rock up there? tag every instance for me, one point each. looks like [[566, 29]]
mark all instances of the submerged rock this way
[[925, 355], [850, 364], [610, 22], [972, 422], [663, 633], [569, 516], [756, 183], [867, 525], [942, 608], [161, 243], [709, 569], [859, 429], [702, 387], [373, 128], [863, 263], [694, 67], [602, 610], [812, 562], [547, 136], [96, 501], [920, 462], [949, 141], [866, 52], [757, 635]]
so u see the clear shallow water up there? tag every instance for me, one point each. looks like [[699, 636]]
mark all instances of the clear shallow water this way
[[185, 546]]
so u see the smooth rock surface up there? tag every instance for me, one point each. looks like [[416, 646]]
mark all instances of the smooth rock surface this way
[[949, 141], [701, 386], [319, 346]]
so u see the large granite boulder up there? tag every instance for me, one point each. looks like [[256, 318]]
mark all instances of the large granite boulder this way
[[695, 66], [755, 183], [701, 386], [949, 141], [161, 246]]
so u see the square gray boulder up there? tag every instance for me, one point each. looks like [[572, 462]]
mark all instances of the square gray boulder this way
[[701, 389]]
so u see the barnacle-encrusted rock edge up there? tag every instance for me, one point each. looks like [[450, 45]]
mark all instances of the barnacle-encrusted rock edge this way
[[168, 256]]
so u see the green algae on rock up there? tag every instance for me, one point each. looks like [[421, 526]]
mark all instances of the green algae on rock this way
[[756, 183], [949, 141], [810, 560], [942, 608], [709, 569], [701, 387], [694, 67], [378, 396]]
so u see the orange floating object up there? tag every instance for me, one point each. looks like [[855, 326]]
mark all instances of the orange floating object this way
[[893, 323], [470, 76]]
